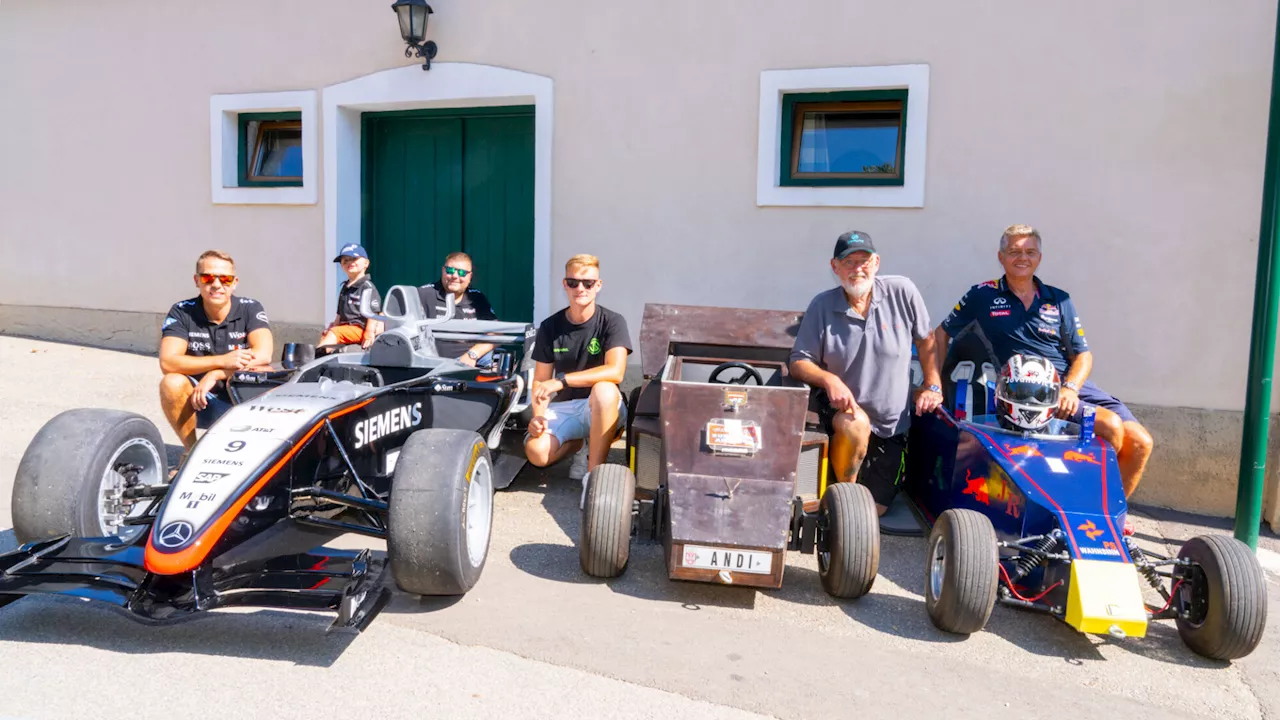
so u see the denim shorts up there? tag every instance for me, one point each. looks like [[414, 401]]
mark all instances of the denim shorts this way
[[571, 419], [219, 404]]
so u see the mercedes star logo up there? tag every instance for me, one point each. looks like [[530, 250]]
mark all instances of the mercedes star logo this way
[[175, 534]]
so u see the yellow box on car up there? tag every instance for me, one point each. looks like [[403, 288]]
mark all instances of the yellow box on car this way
[[1105, 594]]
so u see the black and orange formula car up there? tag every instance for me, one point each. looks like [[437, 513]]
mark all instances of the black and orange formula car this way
[[395, 443]]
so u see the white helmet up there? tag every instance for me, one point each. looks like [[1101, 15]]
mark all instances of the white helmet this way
[[1027, 393]]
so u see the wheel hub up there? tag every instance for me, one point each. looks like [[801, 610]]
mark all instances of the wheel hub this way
[[937, 566], [479, 512], [137, 462]]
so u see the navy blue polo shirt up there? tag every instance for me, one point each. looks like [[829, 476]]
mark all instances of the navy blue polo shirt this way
[[1046, 329]]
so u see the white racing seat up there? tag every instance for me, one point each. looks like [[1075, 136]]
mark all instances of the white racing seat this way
[[963, 377]]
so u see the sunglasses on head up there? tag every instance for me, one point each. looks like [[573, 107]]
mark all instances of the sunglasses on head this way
[[207, 278], [456, 271], [573, 283]]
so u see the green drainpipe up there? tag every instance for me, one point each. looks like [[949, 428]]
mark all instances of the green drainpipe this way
[[1266, 294]]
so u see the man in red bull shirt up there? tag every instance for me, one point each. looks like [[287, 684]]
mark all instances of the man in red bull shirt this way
[[1020, 314]]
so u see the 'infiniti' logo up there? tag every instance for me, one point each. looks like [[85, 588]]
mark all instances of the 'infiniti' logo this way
[[175, 534]]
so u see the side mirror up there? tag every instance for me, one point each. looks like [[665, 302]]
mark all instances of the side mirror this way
[[295, 355]]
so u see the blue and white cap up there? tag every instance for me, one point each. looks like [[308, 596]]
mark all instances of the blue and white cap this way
[[352, 250]]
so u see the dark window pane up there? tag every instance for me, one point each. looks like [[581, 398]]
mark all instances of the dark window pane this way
[[282, 153], [848, 142]]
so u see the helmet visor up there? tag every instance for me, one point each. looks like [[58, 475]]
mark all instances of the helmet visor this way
[[1030, 393]]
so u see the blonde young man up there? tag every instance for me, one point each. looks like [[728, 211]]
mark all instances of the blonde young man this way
[[349, 327], [854, 343], [203, 341], [468, 304], [581, 355], [1020, 314]]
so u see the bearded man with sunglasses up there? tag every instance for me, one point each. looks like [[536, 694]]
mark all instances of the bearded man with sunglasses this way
[[203, 340], [468, 304], [581, 354]]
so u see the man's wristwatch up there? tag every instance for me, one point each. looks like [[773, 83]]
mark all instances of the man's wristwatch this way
[[1073, 386], [934, 388], [473, 355], [559, 377]]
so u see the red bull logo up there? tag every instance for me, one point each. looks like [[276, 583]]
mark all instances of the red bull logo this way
[[977, 487], [1025, 450], [1074, 456], [995, 488]]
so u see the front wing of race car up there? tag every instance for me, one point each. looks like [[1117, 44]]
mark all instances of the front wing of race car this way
[[107, 570]]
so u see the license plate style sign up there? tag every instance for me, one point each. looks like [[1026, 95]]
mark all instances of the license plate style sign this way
[[748, 561], [729, 436]]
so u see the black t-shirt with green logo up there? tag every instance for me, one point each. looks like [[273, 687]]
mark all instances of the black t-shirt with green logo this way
[[571, 348]]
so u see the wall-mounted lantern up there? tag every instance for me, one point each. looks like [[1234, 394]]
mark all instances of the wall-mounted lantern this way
[[413, 16]]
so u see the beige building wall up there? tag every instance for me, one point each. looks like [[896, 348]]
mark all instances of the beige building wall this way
[[1132, 135]]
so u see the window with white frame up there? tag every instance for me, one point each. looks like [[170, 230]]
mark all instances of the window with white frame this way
[[264, 148], [843, 137]]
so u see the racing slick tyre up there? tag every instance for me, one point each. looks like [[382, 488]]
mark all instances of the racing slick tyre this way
[[73, 475], [961, 577], [1223, 606], [604, 544], [440, 515], [849, 540]]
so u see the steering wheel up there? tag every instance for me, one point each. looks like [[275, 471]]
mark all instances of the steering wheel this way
[[751, 373]]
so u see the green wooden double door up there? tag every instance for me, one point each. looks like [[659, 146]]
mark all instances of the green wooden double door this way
[[440, 181]]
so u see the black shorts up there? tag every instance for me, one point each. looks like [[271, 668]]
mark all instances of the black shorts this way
[[882, 468], [885, 463]]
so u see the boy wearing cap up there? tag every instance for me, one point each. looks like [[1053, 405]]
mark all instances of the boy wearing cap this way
[[854, 344], [349, 326]]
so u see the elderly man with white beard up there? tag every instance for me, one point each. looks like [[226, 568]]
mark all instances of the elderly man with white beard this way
[[854, 345]]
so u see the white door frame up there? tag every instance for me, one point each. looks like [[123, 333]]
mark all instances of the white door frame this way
[[445, 85]]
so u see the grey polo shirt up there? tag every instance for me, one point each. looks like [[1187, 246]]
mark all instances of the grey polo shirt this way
[[872, 355]]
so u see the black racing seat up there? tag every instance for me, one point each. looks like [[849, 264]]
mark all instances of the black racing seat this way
[[358, 374]]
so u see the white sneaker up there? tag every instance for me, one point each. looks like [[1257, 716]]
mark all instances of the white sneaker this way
[[578, 468]]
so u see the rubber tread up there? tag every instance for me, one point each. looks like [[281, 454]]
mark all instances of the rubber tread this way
[[971, 578], [605, 543], [852, 540], [1237, 615], [55, 490], [427, 513]]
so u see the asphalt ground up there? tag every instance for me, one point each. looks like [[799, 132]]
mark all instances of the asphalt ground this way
[[537, 638]]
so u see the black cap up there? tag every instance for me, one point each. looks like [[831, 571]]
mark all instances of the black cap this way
[[852, 242]]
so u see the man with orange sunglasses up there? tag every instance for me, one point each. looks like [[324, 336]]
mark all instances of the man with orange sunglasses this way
[[203, 340]]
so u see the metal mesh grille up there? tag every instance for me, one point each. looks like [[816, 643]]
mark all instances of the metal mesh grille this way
[[648, 461], [807, 471]]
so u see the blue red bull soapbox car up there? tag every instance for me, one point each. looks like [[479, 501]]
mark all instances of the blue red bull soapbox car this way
[[1036, 521]]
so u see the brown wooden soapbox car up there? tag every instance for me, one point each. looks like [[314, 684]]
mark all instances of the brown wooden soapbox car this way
[[729, 459]]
